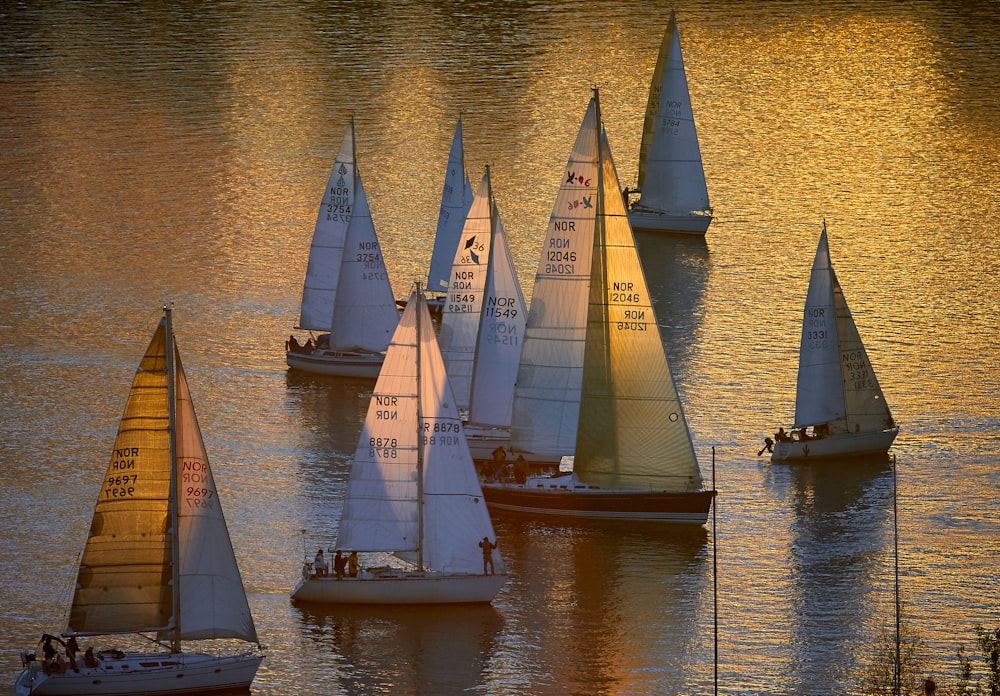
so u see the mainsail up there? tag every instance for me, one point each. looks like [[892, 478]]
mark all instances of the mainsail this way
[[326, 251], [464, 299], [483, 318], [547, 395]]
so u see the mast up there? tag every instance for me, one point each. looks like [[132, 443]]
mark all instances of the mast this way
[[175, 554], [420, 438]]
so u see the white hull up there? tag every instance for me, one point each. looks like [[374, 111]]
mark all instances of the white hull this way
[[326, 362], [835, 446], [647, 220], [482, 441], [400, 587], [143, 673]]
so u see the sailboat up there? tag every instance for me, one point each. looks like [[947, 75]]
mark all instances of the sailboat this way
[[158, 558], [347, 296], [413, 501], [672, 193], [838, 394], [482, 326], [593, 383], [456, 199]]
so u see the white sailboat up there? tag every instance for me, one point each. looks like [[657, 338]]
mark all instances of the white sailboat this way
[[158, 558], [838, 394], [347, 296], [673, 195], [413, 498], [482, 326], [593, 381]]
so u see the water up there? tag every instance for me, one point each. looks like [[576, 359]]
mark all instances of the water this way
[[177, 152]]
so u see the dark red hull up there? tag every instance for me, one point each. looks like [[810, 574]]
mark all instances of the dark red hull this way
[[661, 506]]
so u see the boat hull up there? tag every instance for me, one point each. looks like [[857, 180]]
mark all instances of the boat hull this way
[[325, 362], [400, 587], [143, 673], [583, 502], [645, 220], [835, 446]]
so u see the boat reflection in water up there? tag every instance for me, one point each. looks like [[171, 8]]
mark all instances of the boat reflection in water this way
[[631, 597], [841, 551], [406, 649]]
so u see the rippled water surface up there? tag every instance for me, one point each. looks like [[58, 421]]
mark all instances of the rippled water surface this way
[[177, 152]]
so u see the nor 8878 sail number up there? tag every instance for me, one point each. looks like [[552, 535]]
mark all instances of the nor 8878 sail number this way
[[442, 433]]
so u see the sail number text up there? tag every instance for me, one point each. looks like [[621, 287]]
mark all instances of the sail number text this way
[[194, 472], [119, 483], [442, 433], [560, 258], [857, 371], [815, 333], [632, 319], [339, 207]]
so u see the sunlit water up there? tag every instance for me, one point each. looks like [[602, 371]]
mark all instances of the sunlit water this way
[[152, 152]]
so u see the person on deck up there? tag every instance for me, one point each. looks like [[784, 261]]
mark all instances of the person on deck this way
[[319, 563], [339, 565], [487, 548]]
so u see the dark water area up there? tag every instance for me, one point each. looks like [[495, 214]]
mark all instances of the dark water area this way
[[177, 152]]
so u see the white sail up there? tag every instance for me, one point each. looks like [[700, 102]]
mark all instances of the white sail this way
[[327, 248], [547, 395], [456, 198], [483, 317], [364, 312], [213, 602], [413, 489], [836, 382], [671, 176], [464, 300], [820, 395], [632, 431], [501, 332]]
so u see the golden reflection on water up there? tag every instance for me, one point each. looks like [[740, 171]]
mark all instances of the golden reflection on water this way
[[172, 153]]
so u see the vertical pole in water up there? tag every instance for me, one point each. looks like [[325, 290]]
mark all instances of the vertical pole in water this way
[[895, 548], [715, 577]]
